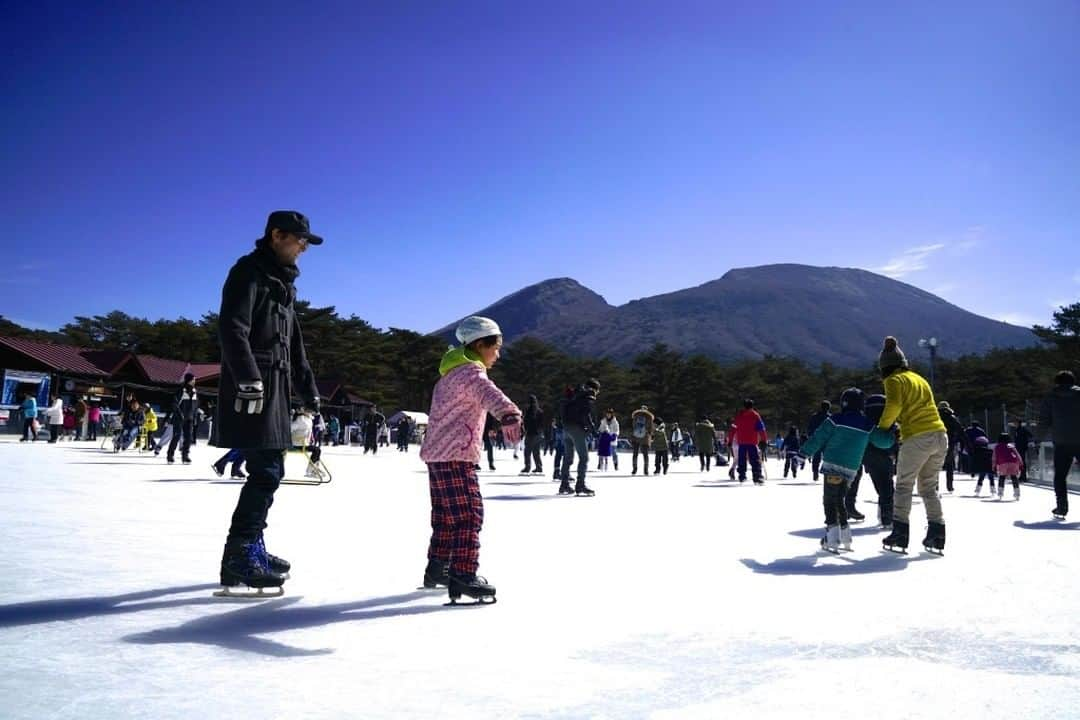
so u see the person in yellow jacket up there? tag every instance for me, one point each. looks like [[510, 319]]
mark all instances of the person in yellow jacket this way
[[150, 426], [909, 402]]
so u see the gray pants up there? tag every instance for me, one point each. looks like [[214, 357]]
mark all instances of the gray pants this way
[[921, 458], [532, 452], [574, 439]]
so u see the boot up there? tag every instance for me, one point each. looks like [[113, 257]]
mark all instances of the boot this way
[[898, 538], [276, 564], [582, 489], [855, 515], [935, 537], [436, 573], [243, 564], [471, 585], [845, 537], [831, 541], [564, 488]]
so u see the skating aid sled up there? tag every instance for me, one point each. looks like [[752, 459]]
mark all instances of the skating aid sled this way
[[314, 473]]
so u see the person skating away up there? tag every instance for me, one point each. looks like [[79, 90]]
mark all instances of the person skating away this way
[[749, 431], [660, 446], [909, 402], [1007, 464], [1060, 414], [234, 456], [982, 463], [954, 431], [578, 422], [791, 446], [704, 437], [841, 439], [184, 415], [404, 430], [642, 424], [533, 424], [262, 359], [815, 421], [1022, 439], [877, 461], [462, 400], [610, 424]]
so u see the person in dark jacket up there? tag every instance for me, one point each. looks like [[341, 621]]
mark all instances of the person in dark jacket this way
[[184, 413], [972, 433], [263, 363], [1061, 414], [814, 423], [534, 436], [404, 431], [131, 420], [878, 463], [791, 447], [372, 424], [1022, 439], [577, 421], [954, 429]]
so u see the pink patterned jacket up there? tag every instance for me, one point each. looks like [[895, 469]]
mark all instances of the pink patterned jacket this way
[[459, 406]]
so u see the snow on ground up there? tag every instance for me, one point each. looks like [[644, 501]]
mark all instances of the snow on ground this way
[[685, 596]]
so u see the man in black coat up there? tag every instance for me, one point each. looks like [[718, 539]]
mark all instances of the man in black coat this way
[[578, 421], [954, 429], [183, 418], [263, 363], [533, 422]]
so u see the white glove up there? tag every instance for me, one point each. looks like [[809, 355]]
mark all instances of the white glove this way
[[249, 398]]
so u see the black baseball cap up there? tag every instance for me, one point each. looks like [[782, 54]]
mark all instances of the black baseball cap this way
[[293, 222]]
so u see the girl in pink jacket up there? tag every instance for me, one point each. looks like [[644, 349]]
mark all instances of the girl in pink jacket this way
[[1007, 463], [461, 401]]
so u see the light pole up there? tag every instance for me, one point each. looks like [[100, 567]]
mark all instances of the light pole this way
[[930, 345]]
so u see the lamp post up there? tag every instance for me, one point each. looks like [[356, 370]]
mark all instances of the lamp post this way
[[930, 345]]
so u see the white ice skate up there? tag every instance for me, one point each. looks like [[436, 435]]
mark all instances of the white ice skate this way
[[1001, 491], [831, 541], [1016, 494], [845, 538]]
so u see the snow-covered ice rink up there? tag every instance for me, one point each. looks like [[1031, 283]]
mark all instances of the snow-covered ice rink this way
[[685, 596]]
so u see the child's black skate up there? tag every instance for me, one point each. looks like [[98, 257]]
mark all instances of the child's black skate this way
[[471, 586], [281, 566], [565, 489], [436, 573], [934, 542], [897, 540], [582, 490], [244, 564], [1059, 513], [854, 515]]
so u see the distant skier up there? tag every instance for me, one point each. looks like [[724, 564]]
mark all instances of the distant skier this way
[[749, 431], [909, 401], [463, 397], [577, 422], [263, 360]]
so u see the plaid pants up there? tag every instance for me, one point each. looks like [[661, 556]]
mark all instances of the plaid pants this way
[[457, 514]]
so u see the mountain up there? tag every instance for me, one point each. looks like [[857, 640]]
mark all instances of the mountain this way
[[817, 314]]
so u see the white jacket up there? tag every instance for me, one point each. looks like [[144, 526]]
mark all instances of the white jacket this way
[[55, 413], [609, 426]]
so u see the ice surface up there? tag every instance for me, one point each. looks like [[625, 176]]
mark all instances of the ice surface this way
[[685, 596]]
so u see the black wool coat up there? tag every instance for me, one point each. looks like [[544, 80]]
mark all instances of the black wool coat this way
[[261, 340]]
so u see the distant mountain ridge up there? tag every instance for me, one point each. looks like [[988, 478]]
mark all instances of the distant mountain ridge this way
[[817, 314]]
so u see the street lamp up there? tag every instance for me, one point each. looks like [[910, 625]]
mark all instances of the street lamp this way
[[930, 345]]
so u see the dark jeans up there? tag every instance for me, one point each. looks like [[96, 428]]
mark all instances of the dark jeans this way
[[950, 466], [791, 462], [236, 457], [834, 490], [181, 430], [490, 448], [1023, 449], [661, 462], [54, 432], [1063, 460], [557, 462], [749, 452], [879, 466], [815, 465], [705, 458], [265, 470], [92, 429], [643, 448], [574, 440], [28, 429], [532, 452]]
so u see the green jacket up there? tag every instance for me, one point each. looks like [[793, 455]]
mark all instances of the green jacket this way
[[704, 436], [659, 438]]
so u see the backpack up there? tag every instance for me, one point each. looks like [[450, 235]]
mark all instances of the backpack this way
[[641, 423]]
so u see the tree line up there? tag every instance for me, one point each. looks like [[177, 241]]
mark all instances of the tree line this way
[[397, 368]]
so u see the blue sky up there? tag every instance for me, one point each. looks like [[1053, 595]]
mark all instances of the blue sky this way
[[452, 153]]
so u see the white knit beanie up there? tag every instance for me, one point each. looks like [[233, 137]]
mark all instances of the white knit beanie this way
[[476, 327]]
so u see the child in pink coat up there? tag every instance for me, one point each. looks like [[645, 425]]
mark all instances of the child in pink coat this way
[[1007, 462], [459, 405]]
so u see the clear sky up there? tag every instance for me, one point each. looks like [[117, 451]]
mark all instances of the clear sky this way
[[454, 152]]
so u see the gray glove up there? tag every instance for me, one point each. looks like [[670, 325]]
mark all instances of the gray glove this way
[[249, 398]]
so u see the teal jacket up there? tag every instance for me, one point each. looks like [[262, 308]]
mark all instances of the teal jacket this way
[[842, 440], [29, 408]]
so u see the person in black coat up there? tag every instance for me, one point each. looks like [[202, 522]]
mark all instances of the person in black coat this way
[[263, 363], [183, 418], [578, 421], [534, 436], [955, 431]]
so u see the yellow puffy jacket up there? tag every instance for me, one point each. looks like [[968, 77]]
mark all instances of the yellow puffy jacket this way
[[150, 423], [909, 401]]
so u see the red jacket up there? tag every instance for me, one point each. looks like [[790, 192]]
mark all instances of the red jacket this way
[[749, 427]]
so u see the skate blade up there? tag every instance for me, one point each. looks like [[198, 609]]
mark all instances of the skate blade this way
[[934, 551], [250, 593], [439, 588], [831, 551], [895, 549], [486, 600]]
